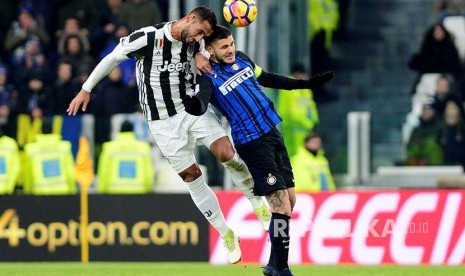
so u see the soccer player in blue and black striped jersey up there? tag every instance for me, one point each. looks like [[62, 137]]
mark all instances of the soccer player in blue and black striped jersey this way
[[235, 89]]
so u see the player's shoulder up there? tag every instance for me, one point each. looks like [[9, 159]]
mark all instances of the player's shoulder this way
[[144, 31], [244, 57], [139, 36], [240, 54]]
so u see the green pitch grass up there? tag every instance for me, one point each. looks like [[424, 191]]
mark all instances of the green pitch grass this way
[[204, 269]]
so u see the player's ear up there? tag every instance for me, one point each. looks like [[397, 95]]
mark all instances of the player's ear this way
[[190, 17], [209, 49]]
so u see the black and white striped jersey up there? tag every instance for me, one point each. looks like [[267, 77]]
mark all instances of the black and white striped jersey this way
[[163, 69]]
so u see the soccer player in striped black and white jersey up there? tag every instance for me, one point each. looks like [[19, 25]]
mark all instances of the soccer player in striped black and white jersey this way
[[164, 79]]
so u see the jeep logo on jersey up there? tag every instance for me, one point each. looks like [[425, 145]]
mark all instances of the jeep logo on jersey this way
[[235, 80], [174, 67]]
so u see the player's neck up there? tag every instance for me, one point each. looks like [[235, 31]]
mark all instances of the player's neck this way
[[176, 28]]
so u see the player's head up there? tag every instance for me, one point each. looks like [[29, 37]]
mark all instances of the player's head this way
[[199, 23], [220, 45]]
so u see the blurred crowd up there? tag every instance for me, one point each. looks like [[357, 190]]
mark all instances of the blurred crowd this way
[[51, 46], [49, 49], [434, 131]]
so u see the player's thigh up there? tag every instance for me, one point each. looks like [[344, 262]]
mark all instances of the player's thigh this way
[[207, 128], [259, 155], [283, 161], [174, 141]]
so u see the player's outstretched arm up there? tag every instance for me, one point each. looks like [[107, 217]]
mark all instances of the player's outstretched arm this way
[[81, 99], [320, 79], [103, 68], [272, 80]]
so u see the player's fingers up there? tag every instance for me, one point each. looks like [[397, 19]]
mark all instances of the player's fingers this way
[[84, 105], [71, 107], [208, 68], [198, 72], [75, 108]]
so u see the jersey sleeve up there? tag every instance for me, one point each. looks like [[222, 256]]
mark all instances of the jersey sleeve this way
[[200, 48], [129, 46], [272, 80], [134, 44], [256, 69]]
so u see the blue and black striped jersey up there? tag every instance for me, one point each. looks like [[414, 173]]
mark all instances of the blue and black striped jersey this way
[[242, 100]]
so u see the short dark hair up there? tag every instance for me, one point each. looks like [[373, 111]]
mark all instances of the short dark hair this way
[[219, 32], [47, 127], [205, 14], [127, 126]]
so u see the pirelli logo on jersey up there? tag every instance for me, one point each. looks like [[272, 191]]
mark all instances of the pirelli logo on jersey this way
[[236, 80], [173, 67]]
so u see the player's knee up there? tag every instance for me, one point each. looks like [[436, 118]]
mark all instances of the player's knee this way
[[190, 174], [226, 155], [223, 149]]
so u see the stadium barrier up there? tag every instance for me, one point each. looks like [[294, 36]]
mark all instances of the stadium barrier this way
[[153, 227], [404, 227]]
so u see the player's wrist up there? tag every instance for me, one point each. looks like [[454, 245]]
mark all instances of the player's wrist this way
[[86, 87], [86, 90]]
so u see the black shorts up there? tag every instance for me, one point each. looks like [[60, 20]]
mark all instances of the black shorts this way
[[268, 163]]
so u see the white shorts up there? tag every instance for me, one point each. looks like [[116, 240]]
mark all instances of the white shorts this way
[[176, 136]]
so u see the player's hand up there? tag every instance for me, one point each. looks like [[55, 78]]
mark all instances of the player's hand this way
[[202, 64], [82, 98], [192, 105], [318, 80]]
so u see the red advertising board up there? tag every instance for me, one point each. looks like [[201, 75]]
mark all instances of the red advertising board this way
[[374, 227]]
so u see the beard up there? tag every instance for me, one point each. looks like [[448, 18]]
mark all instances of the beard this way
[[184, 36], [229, 59]]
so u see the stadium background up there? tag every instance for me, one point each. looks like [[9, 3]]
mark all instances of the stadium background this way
[[372, 76]]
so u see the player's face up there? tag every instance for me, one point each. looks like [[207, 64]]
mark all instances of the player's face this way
[[195, 31], [224, 50]]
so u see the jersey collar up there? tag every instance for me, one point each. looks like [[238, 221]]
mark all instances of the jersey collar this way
[[167, 30]]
